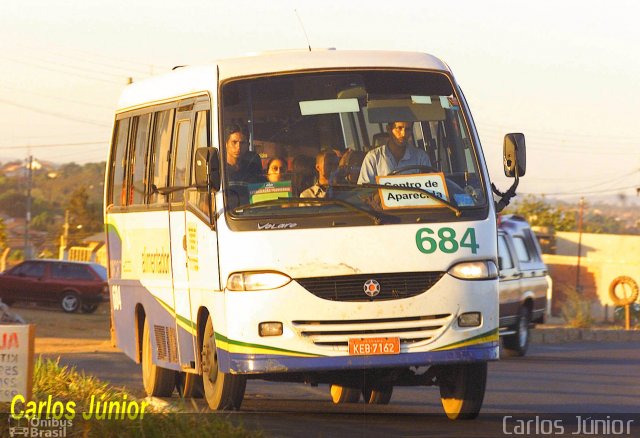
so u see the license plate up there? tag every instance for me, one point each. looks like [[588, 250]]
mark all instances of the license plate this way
[[370, 346]]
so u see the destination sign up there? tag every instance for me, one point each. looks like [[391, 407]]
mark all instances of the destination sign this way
[[433, 183]]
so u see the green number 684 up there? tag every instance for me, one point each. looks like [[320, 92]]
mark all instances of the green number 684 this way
[[428, 241]]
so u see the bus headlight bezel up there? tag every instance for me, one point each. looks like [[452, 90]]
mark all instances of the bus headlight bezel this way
[[256, 280], [474, 270]]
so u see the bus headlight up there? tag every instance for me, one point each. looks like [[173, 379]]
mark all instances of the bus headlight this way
[[249, 281], [478, 270]]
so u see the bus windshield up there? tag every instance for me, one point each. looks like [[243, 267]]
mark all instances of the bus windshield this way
[[343, 137]]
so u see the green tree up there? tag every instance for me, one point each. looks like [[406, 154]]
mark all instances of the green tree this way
[[85, 217], [539, 212]]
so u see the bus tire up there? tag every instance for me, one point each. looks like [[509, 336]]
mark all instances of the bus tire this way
[[627, 299], [223, 391], [189, 385], [462, 389], [378, 395], [157, 381], [344, 394], [516, 345]]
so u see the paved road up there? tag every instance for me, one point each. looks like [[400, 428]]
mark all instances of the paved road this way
[[574, 379]]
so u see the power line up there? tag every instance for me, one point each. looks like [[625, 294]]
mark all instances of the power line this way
[[575, 193], [70, 73], [58, 98], [53, 114], [56, 145]]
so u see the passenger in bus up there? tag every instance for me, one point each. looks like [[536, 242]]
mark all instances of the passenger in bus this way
[[326, 164], [395, 154], [276, 169], [349, 167], [302, 174], [241, 164]]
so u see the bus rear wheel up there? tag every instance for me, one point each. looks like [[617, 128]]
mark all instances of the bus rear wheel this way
[[379, 395], [189, 385], [222, 390], [343, 394], [157, 381], [462, 389]]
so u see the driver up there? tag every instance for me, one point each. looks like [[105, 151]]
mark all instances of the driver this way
[[395, 154]]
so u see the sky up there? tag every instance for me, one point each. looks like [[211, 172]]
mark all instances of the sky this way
[[565, 73]]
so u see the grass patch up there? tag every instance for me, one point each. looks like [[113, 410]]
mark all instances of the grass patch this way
[[576, 309], [67, 385]]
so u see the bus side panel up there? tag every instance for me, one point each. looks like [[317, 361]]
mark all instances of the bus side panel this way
[[143, 280]]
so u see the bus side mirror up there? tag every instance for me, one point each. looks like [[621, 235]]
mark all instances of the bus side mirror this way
[[207, 169], [514, 155]]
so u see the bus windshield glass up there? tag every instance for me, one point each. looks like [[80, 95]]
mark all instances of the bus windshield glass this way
[[343, 137]]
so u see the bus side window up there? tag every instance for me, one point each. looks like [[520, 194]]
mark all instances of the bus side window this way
[[180, 153], [118, 164], [138, 157], [201, 140], [159, 163]]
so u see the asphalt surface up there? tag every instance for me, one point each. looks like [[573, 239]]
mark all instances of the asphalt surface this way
[[574, 383]]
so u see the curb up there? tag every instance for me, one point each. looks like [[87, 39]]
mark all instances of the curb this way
[[562, 335]]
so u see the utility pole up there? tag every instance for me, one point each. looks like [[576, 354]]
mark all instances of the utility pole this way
[[580, 214], [64, 239], [27, 219]]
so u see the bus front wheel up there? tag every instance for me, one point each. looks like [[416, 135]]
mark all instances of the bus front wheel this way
[[157, 381], [222, 390], [462, 389]]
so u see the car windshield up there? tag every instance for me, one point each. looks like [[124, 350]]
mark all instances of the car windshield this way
[[344, 136]]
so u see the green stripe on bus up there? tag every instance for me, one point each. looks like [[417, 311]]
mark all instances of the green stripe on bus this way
[[222, 338], [490, 334]]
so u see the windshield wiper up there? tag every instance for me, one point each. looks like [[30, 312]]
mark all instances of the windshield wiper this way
[[430, 195], [319, 201]]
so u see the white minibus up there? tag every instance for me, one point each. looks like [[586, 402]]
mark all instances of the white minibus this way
[[318, 216]]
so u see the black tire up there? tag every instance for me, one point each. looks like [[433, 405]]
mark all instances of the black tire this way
[[89, 308], [344, 394], [157, 381], [222, 391], [516, 345], [379, 395], [189, 385], [462, 389], [70, 302]]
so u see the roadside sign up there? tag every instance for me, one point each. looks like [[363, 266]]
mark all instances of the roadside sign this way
[[16, 360]]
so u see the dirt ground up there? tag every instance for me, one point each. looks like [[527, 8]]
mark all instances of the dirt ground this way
[[60, 332]]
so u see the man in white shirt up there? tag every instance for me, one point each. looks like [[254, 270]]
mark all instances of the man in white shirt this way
[[397, 153]]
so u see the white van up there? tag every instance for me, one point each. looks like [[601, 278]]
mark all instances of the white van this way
[[524, 283]]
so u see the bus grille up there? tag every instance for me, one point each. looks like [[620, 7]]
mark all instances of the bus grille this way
[[351, 287], [410, 330]]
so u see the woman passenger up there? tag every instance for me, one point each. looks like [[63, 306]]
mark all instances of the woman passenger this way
[[276, 168]]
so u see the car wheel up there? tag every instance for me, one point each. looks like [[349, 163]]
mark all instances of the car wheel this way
[[518, 343], [70, 302], [89, 308]]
